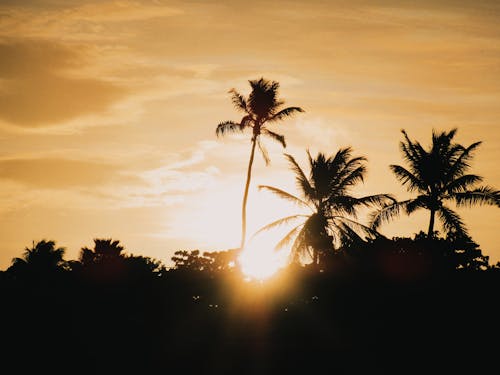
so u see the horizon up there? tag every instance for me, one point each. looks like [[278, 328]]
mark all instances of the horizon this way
[[108, 112]]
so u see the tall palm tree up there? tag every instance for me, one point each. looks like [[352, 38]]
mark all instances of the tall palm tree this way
[[261, 108], [326, 193], [437, 175]]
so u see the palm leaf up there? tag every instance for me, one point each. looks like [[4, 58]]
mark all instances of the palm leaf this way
[[288, 237], [285, 195], [277, 137], [347, 234], [460, 165], [342, 204], [279, 222], [422, 201], [350, 177], [263, 151], [411, 152], [451, 220], [386, 213], [461, 183], [298, 246], [408, 178], [228, 127], [354, 225], [481, 195], [286, 112], [238, 100], [301, 179], [375, 200]]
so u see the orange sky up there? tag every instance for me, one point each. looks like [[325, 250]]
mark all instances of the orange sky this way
[[108, 110]]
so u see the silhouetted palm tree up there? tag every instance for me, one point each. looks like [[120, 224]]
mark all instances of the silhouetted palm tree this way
[[42, 258], [105, 262], [437, 175], [104, 250], [326, 193], [262, 107]]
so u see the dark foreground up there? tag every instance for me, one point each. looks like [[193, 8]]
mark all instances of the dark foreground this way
[[301, 322]]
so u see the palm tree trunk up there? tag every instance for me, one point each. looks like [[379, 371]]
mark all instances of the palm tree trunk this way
[[245, 195], [430, 231]]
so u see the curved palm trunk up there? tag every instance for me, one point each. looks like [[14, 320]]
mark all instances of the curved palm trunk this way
[[430, 231], [245, 195]]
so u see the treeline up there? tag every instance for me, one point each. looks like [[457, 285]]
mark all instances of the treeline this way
[[377, 305]]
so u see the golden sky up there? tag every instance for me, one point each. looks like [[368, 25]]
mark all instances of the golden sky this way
[[108, 111]]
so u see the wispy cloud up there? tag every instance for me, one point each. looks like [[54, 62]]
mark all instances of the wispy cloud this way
[[90, 21], [36, 92]]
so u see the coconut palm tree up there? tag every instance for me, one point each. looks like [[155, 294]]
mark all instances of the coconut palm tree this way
[[437, 175], [105, 250], [261, 108], [333, 210], [43, 258], [105, 262]]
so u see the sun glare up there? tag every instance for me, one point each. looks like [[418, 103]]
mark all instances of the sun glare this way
[[259, 260]]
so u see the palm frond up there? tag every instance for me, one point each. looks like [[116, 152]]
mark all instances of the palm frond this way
[[238, 100], [412, 152], [263, 151], [461, 183], [285, 195], [342, 204], [302, 182], [407, 178], [280, 222], [481, 195], [351, 178], [277, 137], [246, 122], [375, 200], [286, 112], [422, 201], [387, 213], [228, 127], [341, 156], [460, 165], [346, 235], [354, 225], [299, 245], [451, 220], [285, 241]]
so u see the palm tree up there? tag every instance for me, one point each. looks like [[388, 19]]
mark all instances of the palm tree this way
[[105, 250], [260, 108], [326, 193], [437, 175], [43, 258], [105, 262]]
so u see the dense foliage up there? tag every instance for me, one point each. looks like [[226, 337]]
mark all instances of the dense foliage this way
[[376, 305]]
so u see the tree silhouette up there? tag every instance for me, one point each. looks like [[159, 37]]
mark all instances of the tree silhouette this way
[[326, 192], [42, 259], [260, 108], [104, 250], [437, 175], [105, 262]]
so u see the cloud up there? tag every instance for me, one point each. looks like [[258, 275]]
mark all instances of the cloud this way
[[184, 172], [78, 21], [37, 89], [59, 173]]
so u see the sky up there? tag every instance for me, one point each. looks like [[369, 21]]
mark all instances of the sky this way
[[108, 111]]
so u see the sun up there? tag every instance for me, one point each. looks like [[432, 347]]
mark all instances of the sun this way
[[259, 260]]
